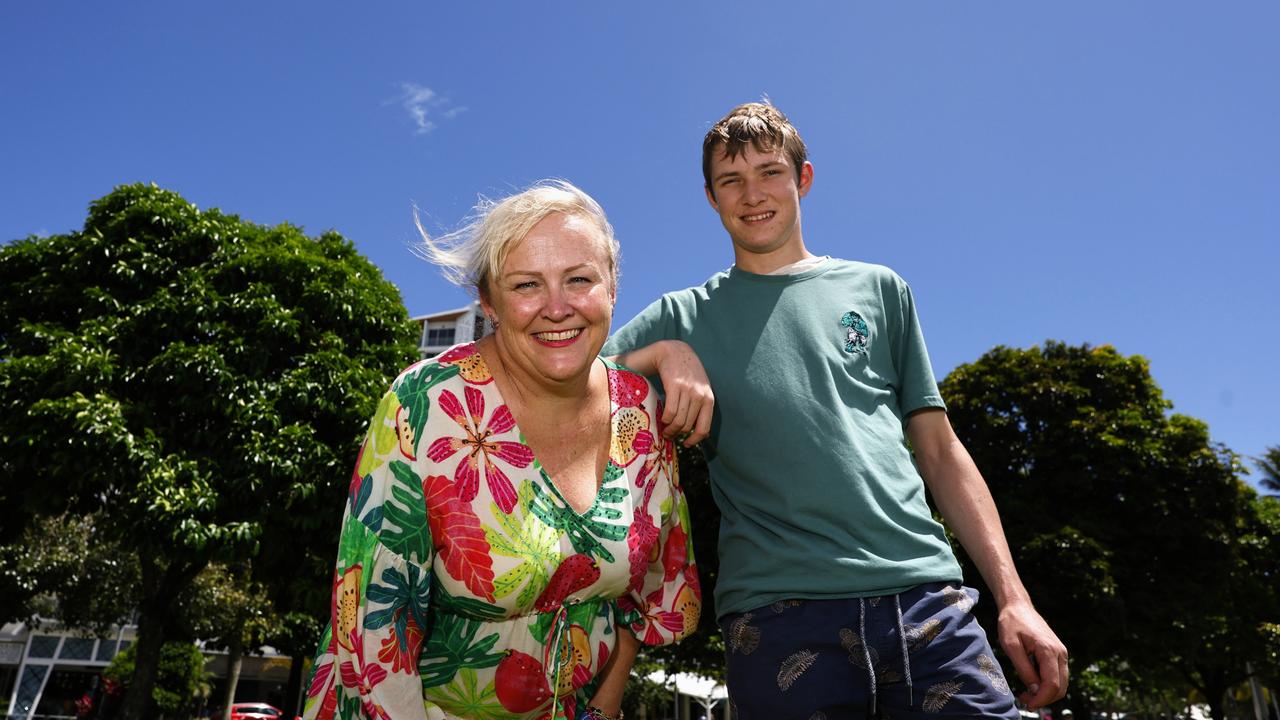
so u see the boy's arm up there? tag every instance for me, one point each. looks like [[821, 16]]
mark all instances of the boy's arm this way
[[689, 402], [1038, 656], [649, 344]]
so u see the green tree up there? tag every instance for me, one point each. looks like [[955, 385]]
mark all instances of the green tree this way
[[64, 567], [1269, 464], [227, 608], [1121, 516], [181, 685], [197, 380]]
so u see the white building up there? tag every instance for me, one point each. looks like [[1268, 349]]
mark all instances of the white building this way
[[445, 329], [45, 669]]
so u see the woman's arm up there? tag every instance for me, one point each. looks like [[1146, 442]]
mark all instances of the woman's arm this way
[[614, 676]]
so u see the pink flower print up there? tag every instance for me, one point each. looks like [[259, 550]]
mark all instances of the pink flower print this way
[[657, 616], [479, 444], [363, 679]]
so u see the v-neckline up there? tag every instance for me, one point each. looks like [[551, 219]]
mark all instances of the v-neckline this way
[[543, 474]]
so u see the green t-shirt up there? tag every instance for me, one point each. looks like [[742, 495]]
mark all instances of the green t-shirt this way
[[814, 375]]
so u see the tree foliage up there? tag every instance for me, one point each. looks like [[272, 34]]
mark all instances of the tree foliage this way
[[197, 381], [1269, 464], [182, 683], [1130, 529], [68, 568]]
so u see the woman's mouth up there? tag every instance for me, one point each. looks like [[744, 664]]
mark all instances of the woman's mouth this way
[[558, 337]]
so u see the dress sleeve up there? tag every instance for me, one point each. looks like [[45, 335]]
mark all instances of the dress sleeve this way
[[367, 665], [665, 605]]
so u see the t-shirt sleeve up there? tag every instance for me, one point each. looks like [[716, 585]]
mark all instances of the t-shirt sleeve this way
[[917, 387], [654, 323]]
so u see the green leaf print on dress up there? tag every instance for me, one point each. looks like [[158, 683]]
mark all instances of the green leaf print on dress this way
[[408, 534], [402, 599], [412, 392], [453, 646], [467, 699], [524, 536], [583, 530]]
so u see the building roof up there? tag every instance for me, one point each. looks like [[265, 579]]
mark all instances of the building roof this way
[[444, 314]]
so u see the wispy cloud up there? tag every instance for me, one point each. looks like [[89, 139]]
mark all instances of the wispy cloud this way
[[425, 105]]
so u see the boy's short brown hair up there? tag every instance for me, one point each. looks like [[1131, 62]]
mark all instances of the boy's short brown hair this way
[[762, 125]]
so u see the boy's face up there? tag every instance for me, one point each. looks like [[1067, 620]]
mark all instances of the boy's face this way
[[757, 195]]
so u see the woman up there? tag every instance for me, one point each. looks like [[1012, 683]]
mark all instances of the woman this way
[[514, 527]]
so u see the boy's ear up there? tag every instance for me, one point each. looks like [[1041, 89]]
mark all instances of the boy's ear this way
[[806, 179]]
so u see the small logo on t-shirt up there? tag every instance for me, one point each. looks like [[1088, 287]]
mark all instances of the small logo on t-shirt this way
[[855, 333]]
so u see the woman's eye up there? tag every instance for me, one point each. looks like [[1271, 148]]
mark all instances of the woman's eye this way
[[526, 285]]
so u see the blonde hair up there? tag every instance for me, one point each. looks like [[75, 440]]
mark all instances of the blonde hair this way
[[473, 254]]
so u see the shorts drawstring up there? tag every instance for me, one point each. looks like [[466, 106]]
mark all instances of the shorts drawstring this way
[[906, 657], [866, 650]]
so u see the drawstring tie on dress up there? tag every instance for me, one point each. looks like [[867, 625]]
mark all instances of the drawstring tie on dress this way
[[551, 656]]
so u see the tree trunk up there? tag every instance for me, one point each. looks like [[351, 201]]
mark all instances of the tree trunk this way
[[293, 691], [160, 588], [137, 698], [235, 658], [1216, 709]]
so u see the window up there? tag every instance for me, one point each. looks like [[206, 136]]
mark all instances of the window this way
[[437, 335]]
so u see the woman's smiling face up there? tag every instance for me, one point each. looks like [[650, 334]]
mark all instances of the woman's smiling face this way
[[553, 300]]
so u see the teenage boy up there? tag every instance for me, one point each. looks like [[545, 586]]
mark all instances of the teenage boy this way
[[838, 593]]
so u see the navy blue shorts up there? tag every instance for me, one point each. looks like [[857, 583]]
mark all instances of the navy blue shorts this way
[[919, 654]]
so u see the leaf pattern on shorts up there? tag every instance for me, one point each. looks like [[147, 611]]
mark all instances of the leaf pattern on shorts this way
[[888, 677], [743, 637], [921, 635], [780, 606], [991, 669], [852, 643], [874, 601], [818, 715], [940, 695], [952, 595], [793, 667]]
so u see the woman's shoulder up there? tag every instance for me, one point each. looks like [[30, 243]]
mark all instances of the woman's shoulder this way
[[628, 388], [459, 365]]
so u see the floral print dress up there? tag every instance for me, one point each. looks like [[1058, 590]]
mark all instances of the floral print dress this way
[[467, 587]]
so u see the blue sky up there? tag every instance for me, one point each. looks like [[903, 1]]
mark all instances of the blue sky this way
[[1095, 172]]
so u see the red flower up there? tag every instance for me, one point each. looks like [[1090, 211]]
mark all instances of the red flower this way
[[479, 443]]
